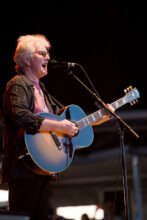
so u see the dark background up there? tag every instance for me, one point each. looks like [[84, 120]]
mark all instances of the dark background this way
[[107, 38]]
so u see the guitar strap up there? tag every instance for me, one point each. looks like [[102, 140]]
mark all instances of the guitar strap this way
[[56, 101], [69, 145], [68, 116]]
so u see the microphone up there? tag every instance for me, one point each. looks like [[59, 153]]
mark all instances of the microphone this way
[[58, 64]]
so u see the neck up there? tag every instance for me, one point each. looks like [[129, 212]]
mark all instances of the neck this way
[[31, 75]]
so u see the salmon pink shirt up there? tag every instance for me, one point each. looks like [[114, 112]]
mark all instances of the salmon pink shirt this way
[[40, 105]]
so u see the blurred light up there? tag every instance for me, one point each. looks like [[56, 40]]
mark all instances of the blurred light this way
[[76, 212], [3, 195], [99, 214]]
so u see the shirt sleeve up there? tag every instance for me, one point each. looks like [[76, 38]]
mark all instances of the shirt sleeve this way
[[16, 103]]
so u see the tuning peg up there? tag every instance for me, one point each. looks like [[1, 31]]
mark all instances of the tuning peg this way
[[130, 87], [133, 102]]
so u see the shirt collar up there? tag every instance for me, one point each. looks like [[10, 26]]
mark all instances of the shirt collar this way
[[28, 81]]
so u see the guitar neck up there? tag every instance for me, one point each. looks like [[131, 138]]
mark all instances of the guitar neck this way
[[96, 116], [119, 103]]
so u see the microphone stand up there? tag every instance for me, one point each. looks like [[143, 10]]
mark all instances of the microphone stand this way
[[121, 126]]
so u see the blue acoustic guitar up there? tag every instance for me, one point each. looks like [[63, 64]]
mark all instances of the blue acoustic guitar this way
[[52, 152]]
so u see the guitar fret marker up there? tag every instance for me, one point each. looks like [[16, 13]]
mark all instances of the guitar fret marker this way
[[100, 114], [116, 105], [93, 117], [85, 122], [123, 101], [88, 121]]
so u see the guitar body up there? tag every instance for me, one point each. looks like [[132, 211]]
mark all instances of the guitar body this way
[[53, 152]]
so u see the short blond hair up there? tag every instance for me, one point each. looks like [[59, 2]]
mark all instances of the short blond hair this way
[[26, 46]]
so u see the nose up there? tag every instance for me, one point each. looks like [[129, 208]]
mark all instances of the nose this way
[[47, 56]]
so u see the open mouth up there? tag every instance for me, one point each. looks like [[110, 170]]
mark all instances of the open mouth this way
[[44, 66]]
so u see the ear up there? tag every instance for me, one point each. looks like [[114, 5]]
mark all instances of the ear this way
[[26, 60]]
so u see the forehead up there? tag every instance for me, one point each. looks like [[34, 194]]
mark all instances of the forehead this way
[[40, 46]]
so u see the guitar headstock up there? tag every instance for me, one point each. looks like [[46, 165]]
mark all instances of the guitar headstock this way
[[132, 95]]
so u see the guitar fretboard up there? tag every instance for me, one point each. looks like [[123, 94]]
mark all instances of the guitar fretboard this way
[[96, 116]]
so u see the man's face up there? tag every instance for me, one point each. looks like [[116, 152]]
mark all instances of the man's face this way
[[39, 61]]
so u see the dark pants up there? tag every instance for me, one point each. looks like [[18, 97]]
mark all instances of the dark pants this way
[[30, 197]]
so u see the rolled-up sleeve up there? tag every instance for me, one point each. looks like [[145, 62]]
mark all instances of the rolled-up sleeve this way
[[16, 102]]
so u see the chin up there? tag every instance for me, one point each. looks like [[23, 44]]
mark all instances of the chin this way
[[43, 74]]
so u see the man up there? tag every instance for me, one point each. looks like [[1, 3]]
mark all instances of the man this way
[[25, 96]]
